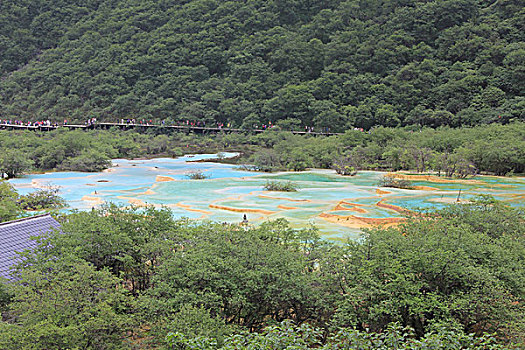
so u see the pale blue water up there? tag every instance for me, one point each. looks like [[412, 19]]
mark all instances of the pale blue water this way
[[229, 193]]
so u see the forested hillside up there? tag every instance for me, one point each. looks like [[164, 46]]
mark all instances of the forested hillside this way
[[321, 63]]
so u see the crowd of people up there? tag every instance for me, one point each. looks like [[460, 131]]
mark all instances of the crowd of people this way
[[145, 122], [190, 123], [39, 123], [90, 121]]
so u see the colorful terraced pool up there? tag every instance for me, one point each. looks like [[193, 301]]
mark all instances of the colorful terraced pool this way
[[339, 206]]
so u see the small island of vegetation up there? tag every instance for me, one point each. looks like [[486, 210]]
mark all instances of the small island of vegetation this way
[[390, 180], [282, 186], [197, 175]]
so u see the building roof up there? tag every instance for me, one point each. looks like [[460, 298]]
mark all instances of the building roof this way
[[15, 236]]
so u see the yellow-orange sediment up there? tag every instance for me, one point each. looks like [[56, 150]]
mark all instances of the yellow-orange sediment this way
[[242, 210], [161, 178], [353, 221], [284, 199], [97, 200], [189, 208], [393, 207], [515, 197], [425, 188], [359, 210], [433, 178], [137, 202], [354, 207], [280, 206], [507, 186]]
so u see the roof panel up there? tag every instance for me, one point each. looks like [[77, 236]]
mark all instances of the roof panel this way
[[15, 236]]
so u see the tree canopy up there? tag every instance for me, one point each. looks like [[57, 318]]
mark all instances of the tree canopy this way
[[135, 278], [458, 152]]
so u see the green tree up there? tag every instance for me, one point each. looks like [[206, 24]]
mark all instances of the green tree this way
[[13, 163], [66, 303], [126, 242], [88, 160], [243, 276], [456, 266], [45, 198], [9, 208]]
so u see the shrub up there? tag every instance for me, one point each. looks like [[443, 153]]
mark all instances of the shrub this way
[[286, 186], [197, 175], [246, 167], [266, 160], [287, 335], [344, 167], [390, 180], [9, 208], [87, 161], [42, 199]]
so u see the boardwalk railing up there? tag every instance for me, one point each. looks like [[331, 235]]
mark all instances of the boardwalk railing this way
[[125, 126]]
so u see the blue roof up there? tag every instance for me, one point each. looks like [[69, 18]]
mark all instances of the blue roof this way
[[15, 236]]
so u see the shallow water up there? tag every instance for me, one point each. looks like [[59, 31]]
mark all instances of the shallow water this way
[[338, 205]]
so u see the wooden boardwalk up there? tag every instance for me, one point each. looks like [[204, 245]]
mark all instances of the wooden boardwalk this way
[[127, 126]]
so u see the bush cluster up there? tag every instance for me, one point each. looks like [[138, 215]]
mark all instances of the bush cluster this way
[[390, 180], [282, 186]]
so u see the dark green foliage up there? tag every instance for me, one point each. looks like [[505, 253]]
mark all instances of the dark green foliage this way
[[9, 208], [13, 163], [13, 205], [266, 160], [88, 161], [47, 198], [283, 186], [197, 323], [458, 152], [244, 276], [5, 297], [461, 265], [329, 65], [286, 335], [66, 303], [344, 167], [92, 150], [126, 242], [452, 152]]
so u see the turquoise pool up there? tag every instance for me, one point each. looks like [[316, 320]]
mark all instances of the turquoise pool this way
[[338, 205]]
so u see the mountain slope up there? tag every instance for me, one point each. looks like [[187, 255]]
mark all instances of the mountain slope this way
[[334, 64]]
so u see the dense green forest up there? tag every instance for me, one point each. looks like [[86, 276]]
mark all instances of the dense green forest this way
[[452, 152], [119, 278], [329, 64]]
